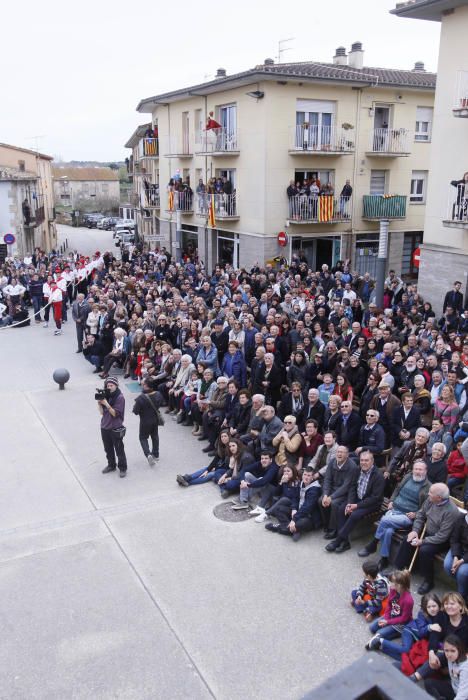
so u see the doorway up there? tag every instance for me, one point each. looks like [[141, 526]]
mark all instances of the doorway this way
[[228, 248], [318, 251]]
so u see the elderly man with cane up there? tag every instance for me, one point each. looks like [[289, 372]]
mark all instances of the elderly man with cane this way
[[431, 534]]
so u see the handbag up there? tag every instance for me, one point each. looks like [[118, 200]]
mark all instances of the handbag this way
[[120, 432], [159, 418]]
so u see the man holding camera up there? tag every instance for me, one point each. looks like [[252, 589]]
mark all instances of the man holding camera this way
[[111, 405]]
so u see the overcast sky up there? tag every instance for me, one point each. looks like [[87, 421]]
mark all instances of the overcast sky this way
[[74, 73]]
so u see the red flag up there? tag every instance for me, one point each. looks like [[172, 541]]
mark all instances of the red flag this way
[[211, 212]]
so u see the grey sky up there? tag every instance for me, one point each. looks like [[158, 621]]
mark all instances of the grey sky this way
[[76, 72]]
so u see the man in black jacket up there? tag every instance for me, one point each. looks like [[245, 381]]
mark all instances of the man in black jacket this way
[[365, 496], [220, 339], [371, 436], [314, 408], [405, 421], [454, 298], [80, 311], [348, 426], [341, 473], [147, 407]]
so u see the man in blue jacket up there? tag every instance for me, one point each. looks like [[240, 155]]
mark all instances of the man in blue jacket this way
[[307, 515], [257, 476]]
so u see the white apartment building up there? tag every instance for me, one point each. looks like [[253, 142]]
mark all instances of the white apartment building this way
[[26, 201], [278, 123], [444, 255]]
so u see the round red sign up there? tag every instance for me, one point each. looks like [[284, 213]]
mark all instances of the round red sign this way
[[282, 239], [416, 257]]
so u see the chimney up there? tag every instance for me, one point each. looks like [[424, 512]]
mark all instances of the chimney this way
[[268, 62], [340, 59], [221, 73], [356, 55], [419, 67]]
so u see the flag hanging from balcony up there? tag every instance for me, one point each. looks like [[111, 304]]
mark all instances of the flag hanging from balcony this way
[[211, 212], [171, 200], [325, 209]]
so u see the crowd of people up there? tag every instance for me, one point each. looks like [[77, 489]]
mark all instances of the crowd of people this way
[[316, 410]]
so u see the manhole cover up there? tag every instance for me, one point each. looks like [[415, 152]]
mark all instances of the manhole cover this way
[[224, 511]]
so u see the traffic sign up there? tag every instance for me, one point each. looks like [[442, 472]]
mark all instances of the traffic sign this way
[[282, 239], [416, 257], [9, 238]]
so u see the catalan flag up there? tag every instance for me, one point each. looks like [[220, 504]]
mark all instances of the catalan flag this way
[[171, 200], [325, 208], [211, 212]]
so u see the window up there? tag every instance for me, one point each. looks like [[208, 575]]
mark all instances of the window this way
[[423, 127], [378, 182], [314, 123], [85, 188], [21, 166], [418, 186], [325, 176], [105, 188]]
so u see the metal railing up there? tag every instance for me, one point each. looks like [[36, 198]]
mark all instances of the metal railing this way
[[148, 148], [324, 208], [457, 209], [384, 206], [178, 146], [180, 201], [225, 205], [460, 102], [151, 196], [321, 139], [388, 141], [219, 140]]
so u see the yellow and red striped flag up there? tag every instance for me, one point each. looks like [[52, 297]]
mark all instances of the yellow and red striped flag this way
[[325, 212], [171, 200], [211, 212]]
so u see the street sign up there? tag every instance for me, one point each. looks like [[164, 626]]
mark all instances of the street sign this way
[[9, 238], [416, 257], [282, 239]]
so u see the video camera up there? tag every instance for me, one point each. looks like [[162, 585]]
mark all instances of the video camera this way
[[101, 394]]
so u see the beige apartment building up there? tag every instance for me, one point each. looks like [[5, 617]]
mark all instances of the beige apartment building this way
[[444, 255], [278, 123], [26, 200]]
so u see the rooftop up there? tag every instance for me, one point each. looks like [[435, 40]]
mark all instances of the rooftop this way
[[307, 71], [137, 135], [26, 150], [85, 174], [432, 10]]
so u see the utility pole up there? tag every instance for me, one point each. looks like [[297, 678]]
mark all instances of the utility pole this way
[[381, 261]]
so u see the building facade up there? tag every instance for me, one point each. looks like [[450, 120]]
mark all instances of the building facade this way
[[26, 200], [86, 189], [276, 123], [444, 255]]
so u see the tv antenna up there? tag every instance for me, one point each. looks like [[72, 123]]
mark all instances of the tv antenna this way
[[36, 139], [282, 49]]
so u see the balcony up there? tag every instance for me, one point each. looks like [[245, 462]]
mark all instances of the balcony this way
[[151, 198], [225, 206], [389, 143], [460, 103], [178, 147], [180, 201], [321, 140], [148, 148], [319, 209], [384, 206], [457, 208], [217, 142]]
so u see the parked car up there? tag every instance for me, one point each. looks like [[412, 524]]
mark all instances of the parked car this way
[[91, 220], [123, 237], [108, 223]]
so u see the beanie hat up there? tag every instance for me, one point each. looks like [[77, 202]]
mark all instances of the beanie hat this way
[[111, 380]]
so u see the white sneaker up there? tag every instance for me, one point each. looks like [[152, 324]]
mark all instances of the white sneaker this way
[[45, 325], [257, 511], [57, 332], [261, 518], [151, 460]]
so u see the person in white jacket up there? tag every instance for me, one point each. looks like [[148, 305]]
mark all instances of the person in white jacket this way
[[13, 293]]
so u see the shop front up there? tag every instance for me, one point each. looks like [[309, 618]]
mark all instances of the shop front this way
[[318, 251]]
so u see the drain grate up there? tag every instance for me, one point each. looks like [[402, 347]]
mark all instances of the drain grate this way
[[224, 511]]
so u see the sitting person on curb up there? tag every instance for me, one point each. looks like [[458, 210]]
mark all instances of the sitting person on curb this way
[[371, 437], [439, 514], [399, 611], [341, 473], [306, 517], [368, 597], [217, 467], [255, 479], [365, 496], [239, 460], [405, 501], [287, 443], [286, 494]]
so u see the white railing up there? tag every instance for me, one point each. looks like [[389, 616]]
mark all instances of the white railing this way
[[457, 209], [319, 208], [461, 91], [386, 140], [151, 196], [322, 139], [225, 205], [148, 148], [220, 140], [178, 146]]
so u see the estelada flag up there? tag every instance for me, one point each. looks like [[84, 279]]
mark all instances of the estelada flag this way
[[171, 200], [325, 209], [211, 213]]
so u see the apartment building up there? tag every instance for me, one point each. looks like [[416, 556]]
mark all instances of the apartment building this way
[[26, 200], [86, 188], [276, 123], [444, 255]]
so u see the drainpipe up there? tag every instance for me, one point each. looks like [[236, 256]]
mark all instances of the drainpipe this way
[[381, 261]]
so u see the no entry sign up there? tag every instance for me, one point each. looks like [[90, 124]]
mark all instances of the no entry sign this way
[[282, 239]]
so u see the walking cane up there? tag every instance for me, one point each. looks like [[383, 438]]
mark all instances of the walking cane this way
[[410, 567]]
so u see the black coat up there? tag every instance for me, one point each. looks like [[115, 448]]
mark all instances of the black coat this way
[[286, 409], [455, 300], [374, 493], [348, 434], [399, 422], [459, 539], [316, 412]]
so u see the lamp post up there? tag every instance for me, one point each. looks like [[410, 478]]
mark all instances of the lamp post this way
[[381, 261]]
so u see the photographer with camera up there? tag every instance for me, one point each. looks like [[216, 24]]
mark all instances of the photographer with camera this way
[[111, 405]]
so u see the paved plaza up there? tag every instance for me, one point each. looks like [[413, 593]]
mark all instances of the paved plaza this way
[[131, 588]]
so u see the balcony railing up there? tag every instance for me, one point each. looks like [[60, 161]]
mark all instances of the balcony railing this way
[[180, 201], [220, 141], [457, 209], [225, 206], [460, 104], [384, 206], [389, 142], [148, 148], [178, 147], [320, 139], [319, 209], [151, 197]]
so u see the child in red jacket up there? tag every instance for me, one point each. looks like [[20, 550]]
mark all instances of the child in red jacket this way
[[456, 467], [398, 613]]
